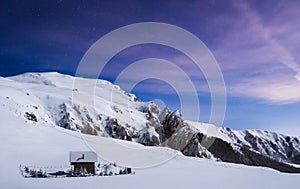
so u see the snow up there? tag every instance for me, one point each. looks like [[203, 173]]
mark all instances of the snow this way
[[210, 130], [49, 91], [42, 144]]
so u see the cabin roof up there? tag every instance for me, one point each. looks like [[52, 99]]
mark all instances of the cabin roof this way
[[83, 156]]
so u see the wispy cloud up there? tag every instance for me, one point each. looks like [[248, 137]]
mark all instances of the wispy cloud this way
[[282, 92], [257, 58], [265, 33]]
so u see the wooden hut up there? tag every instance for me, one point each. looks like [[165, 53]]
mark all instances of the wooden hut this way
[[83, 161]]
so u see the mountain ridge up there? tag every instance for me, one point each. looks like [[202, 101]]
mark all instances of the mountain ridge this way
[[47, 98]]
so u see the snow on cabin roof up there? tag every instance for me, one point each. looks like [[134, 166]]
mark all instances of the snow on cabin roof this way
[[83, 157]]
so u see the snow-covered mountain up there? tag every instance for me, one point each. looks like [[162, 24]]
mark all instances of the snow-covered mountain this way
[[39, 145], [253, 147], [48, 99]]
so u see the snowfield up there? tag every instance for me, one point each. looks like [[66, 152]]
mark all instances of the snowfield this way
[[40, 145], [43, 143]]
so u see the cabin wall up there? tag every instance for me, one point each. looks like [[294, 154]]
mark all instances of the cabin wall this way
[[89, 166]]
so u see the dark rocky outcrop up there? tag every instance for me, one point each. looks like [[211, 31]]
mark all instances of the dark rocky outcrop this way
[[283, 149], [87, 126], [192, 148], [148, 137], [244, 155], [170, 123], [30, 116], [115, 130]]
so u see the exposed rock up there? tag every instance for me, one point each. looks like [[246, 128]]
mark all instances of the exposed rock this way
[[170, 124], [87, 125], [88, 129], [148, 137], [192, 149], [195, 149], [152, 116], [244, 155], [284, 149], [116, 109], [114, 129], [30, 116], [65, 120], [181, 138]]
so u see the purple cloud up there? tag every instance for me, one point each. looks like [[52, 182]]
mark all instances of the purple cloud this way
[[257, 57]]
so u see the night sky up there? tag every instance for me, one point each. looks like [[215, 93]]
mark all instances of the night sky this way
[[256, 44]]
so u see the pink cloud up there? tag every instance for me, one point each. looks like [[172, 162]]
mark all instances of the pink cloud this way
[[258, 55]]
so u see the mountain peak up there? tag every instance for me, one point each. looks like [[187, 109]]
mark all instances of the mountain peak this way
[[48, 98]]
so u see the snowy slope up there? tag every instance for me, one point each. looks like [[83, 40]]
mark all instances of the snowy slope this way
[[47, 99], [52, 92], [40, 145], [280, 147]]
